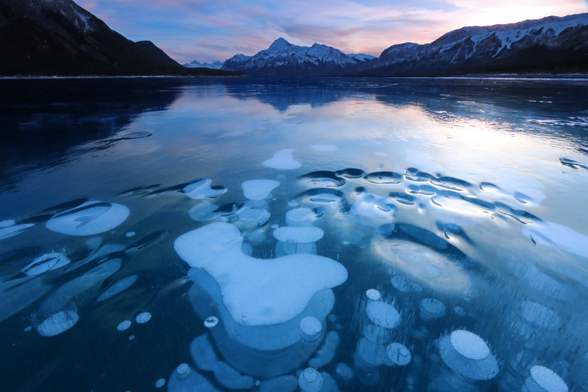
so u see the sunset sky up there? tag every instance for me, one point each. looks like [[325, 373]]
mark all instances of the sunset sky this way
[[208, 30]]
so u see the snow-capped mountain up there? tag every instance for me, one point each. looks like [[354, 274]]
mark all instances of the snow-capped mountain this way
[[544, 44], [285, 59], [197, 64]]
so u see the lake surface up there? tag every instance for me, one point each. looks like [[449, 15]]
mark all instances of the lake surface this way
[[406, 235]]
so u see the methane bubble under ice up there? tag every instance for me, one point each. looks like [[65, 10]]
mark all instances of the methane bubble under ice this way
[[90, 218], [256, 291], [259, 189], [282, 160]]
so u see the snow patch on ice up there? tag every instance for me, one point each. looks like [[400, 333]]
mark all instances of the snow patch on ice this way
[[282, 160]]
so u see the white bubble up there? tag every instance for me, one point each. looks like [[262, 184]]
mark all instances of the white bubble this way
[[283, 160], [142, 318], [298, 235], [201, 190], [130, 234], [548, 380], [132, 337], [373, 294], [259, 189], [124, 325], [382, 314], [160, 383], [469, 345], [90, 218], [58, 323], [210, 322], [46, 262], [398, 354]]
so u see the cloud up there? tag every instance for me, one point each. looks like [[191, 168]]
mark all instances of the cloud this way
[[208, 30]]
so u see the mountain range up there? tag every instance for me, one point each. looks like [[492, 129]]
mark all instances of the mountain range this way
[[197, 64], [285, 59], [60, 38], [552, 44]]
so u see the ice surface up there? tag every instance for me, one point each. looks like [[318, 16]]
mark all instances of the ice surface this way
[[382, 314], [298, 235], [323, 147], [9, 229], [201, 190], [558, 236], [90, 218], [259, 189], [118, 287], [58, 323], [283, 160], [46, 262], [255, 291]]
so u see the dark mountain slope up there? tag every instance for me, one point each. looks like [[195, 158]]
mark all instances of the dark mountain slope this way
[[57, 37]]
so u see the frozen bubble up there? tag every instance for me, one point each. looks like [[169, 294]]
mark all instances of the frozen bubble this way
[[210, 322], [310, 380], [383, 178], [160, 383], [325, 198], [46, 262], [29, 328], [344, 372], [310, 328], [183, 371], [118, 287], [283, 160], [93, 217], [547, 379], [469, 345], [142, 318], [258, 216], [422, 263], [375, 333], [259, 189], [431, 309], [380, 154], [373, 294], [292, 203], [274, 226], [472, 357], [201, 190], [298, 235], [203, 353], [403, 285], [204, 211], [461, 312], [124, 325], [540, 315], [10, 230], [332, 318], [230, 378], [58, 323], [326, 353], [398, 354], [279, 384], [300, 217], [382, 314], [257, 291], [371, 353], [130, 234], [132, 337], [323, 147]]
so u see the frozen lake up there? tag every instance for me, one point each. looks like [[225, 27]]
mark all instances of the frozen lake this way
[[289, 234]]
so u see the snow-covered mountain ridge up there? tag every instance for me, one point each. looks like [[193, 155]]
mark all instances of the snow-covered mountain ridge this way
[[197, 64], [522, 44], [284, 58]]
